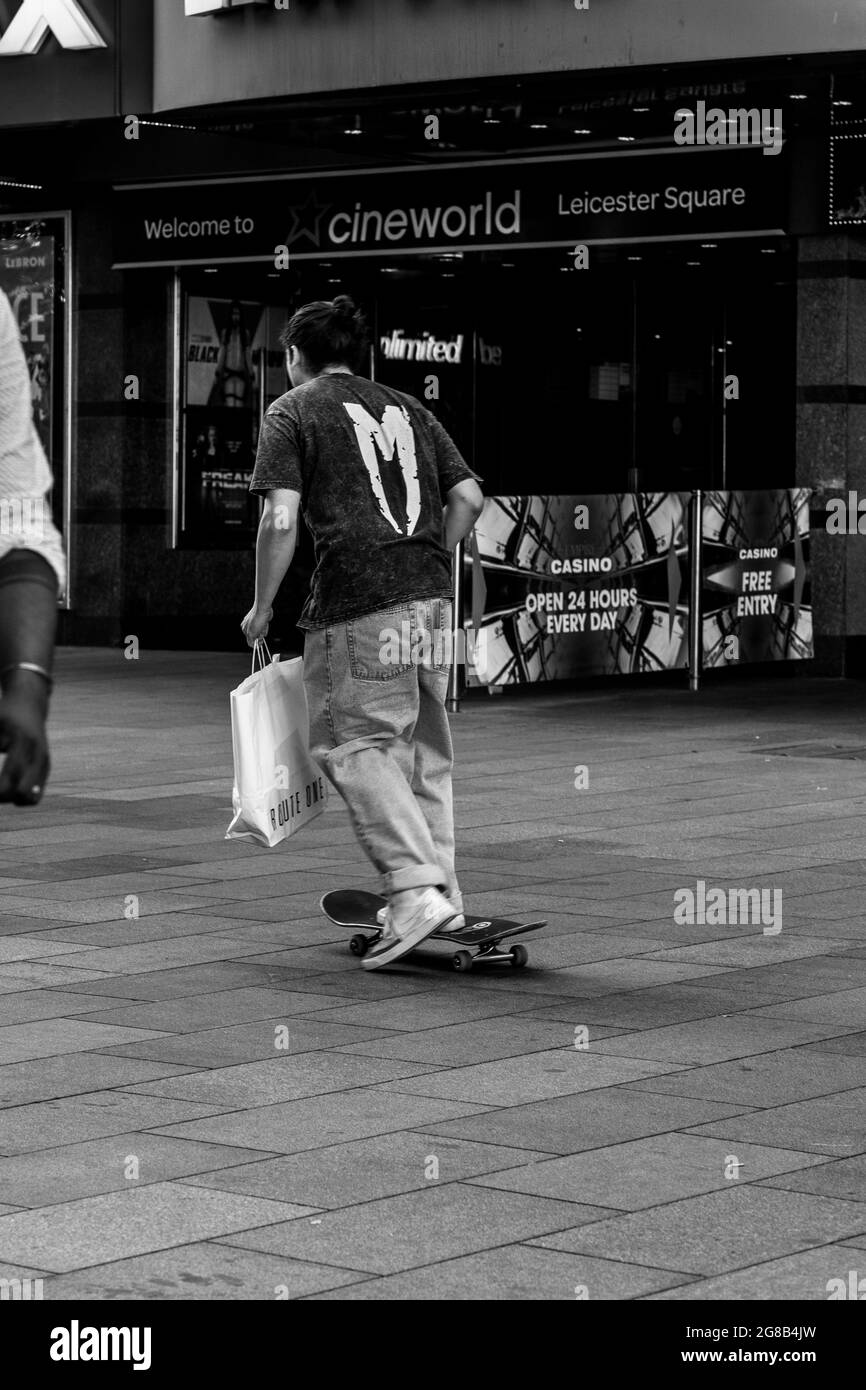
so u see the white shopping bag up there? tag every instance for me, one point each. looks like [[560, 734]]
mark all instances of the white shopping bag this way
[[277, 787]]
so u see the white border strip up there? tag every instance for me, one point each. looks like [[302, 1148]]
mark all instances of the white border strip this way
[[320, 173], [389, 253]]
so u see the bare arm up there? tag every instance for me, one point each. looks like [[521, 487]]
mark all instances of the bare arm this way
[[462, 510], [275, 549]]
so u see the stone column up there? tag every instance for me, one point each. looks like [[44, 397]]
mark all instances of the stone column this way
[[831, 436]]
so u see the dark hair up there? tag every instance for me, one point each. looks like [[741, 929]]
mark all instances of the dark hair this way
[[328, 332]]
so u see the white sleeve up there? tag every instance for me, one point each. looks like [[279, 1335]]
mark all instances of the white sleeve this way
[[25, 478]]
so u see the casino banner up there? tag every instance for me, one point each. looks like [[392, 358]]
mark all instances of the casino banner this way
[[577, 585], [756, 596]]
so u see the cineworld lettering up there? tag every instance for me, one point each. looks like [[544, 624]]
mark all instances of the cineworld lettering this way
[[426, 224]]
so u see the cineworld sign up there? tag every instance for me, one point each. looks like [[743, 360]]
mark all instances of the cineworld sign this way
[[553, 202], [36, 19]]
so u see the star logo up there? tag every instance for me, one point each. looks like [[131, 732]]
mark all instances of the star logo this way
[[306, 217]]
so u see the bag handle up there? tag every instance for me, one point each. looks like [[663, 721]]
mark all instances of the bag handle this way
[[260, 652]]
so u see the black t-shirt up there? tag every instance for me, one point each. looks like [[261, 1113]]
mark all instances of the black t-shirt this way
[[373, 468]]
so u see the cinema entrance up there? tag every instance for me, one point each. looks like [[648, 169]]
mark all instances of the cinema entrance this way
[[668, 367]]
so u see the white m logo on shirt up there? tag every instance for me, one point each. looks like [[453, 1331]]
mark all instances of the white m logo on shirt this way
[[382, 439]]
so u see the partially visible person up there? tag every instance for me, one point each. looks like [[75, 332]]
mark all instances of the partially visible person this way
[[32, 573]]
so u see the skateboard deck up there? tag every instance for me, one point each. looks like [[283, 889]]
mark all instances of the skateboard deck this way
[[355, 908]]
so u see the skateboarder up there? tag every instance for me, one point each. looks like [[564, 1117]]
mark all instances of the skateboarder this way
[[386, 496]]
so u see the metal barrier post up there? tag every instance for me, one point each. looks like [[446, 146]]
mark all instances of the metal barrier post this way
[[695, 592], [458, 644]]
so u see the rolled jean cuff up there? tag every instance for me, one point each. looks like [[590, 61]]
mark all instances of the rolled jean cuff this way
[[418, 876]]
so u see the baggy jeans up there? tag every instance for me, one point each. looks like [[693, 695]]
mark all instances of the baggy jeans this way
[[376, 689]]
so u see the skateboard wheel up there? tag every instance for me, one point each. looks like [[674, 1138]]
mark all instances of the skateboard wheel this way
[[358, 945], [519, 956], [462, 960]]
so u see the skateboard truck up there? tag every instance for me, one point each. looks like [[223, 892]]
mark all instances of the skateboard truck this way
[[463, 960]]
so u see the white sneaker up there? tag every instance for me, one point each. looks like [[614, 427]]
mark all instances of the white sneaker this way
[[457, 925], [427, 913]]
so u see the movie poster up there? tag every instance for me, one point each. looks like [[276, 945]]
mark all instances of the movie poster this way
[[234, 368], [560, 587], [756, 603]]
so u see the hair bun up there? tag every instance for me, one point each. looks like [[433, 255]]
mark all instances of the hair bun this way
[[344, 307]]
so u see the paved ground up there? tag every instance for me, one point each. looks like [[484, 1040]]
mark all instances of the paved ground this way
[[211, 1100]]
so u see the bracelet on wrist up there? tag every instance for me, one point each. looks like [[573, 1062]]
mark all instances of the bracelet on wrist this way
[[28, 666]]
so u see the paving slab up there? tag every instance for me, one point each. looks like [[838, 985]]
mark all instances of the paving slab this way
[[135, 959], [796, 979], [844, 1178], [593, 1120], [50, 1078], [716, 1039], [185, 981], [651, 1007], [512, 1272], [365, 1169], [847, 1044], [748, 952], [291, 1076], [831, 1124], [201, 1271], [435, 1009], [31, 974], [50, 1036], [771, 1079], [202, 1011], [650, 1172], [112, 1164], [14, 948], [49, 1124], [295, 1125], [31, 1005], [14, 924], [537, 1076], [467, 1043], [413, 1229], [246, 1042], [96, 1230], [109, 909], [159, 928], [845, 1007], [809, 1274], [719, 1232]]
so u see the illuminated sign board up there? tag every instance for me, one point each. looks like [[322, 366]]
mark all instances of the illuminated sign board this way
[[36, 19]]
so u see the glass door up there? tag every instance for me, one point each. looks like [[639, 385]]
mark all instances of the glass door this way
[[680, 352]]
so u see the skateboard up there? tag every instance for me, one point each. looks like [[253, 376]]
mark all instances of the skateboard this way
[[352, 907]]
